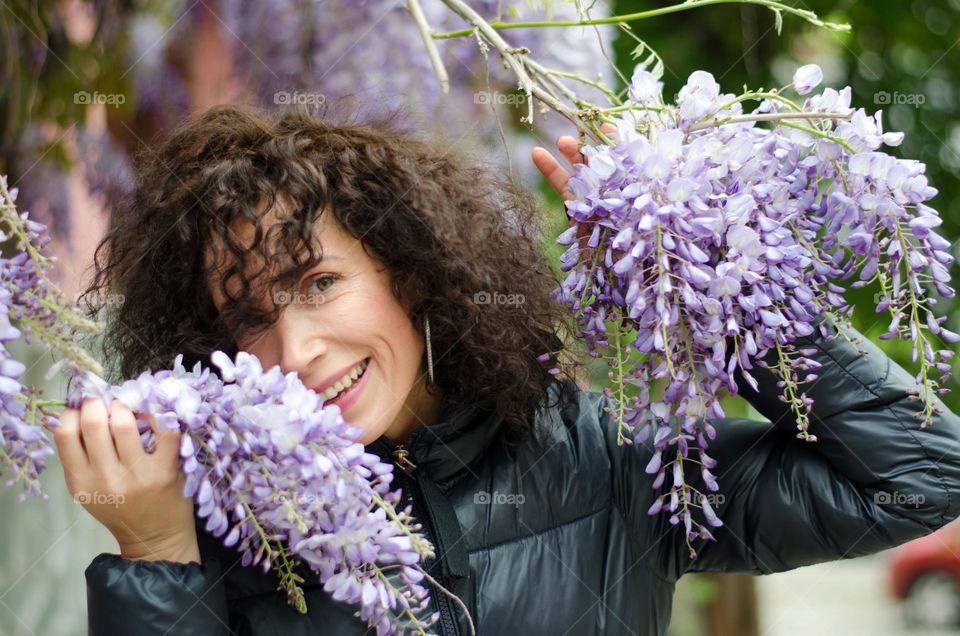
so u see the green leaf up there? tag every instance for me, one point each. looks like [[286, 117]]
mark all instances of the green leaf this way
[[647, 58]]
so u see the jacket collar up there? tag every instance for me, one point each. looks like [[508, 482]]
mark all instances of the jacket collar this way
[[448, 448]]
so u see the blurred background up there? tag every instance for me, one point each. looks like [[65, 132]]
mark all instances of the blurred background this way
[[86, 86]]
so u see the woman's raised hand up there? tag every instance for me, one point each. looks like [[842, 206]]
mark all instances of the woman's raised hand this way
[[559, 177], [569, 149], [137, 495]]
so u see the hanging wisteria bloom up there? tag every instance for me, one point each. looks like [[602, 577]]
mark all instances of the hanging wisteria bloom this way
[[282, 478], [711, 243], [29, 298]]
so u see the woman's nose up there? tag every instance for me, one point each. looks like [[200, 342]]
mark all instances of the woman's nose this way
[[300, 338]]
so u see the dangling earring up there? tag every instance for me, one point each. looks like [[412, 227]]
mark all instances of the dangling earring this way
[[426, 328]]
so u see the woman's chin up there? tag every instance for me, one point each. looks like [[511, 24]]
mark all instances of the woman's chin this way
[[368, 436]]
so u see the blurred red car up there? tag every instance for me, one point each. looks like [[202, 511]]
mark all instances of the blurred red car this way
[[925, 575]]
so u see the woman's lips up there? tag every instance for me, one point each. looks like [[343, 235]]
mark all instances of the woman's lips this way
[[350, 395]]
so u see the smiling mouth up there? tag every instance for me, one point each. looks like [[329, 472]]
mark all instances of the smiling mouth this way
[[364, 365]]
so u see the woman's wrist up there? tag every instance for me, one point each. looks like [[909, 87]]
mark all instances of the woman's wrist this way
[[182, 549]]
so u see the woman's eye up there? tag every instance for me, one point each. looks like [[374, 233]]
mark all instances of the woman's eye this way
[[320, 281]]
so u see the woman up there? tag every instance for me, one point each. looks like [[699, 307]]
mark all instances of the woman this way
[[429, 308]]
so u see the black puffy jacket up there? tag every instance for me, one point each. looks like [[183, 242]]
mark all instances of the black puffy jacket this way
[[553, 536]]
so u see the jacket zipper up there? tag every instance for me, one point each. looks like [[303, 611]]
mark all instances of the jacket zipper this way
[[407, 467]]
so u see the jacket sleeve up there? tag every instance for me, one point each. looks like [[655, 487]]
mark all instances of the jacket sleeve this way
[[873, 480], [155, 597]]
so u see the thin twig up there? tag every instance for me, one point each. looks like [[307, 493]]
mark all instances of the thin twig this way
[[531, 82], [712, 123], [547, 73], [413, 6], [573, 96], [774, 5], [456, 599]]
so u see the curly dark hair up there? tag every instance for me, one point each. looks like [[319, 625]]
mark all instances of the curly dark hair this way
[[446, 227]]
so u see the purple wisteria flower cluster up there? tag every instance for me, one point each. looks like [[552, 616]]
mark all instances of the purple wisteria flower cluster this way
[[708, 241], [282, 478], [28, 297]]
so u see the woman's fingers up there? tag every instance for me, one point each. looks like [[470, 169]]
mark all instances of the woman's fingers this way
[[126, 437], [569, 149], [166, 449], [95, 432], [556, 175], [69, 447]]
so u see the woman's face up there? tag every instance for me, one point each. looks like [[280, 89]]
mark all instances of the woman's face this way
[[344, 314]]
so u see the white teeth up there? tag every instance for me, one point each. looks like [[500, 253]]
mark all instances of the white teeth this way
[[345, 382]]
